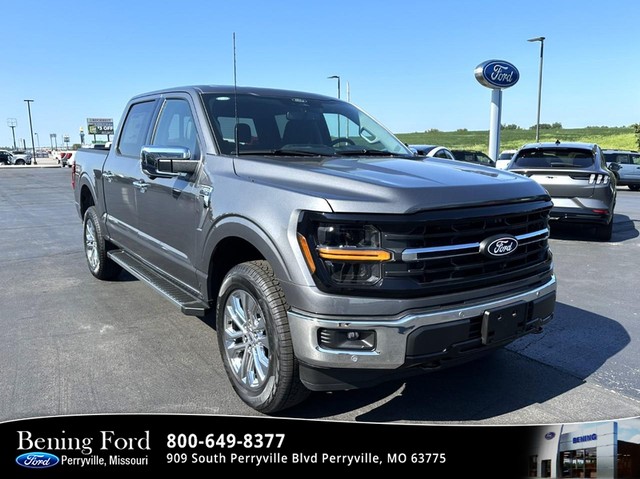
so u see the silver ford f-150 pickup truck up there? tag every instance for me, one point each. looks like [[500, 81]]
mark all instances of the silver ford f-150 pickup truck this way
[[330, 255]]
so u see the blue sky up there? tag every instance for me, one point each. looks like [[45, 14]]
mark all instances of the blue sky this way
[[408, 63]]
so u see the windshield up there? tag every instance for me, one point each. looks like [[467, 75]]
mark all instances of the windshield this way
[[554, 158], [288, 126]]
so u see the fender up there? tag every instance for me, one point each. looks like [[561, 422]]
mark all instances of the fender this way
[[243, 228]]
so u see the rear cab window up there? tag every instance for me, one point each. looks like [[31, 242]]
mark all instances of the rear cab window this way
[[135, 129]]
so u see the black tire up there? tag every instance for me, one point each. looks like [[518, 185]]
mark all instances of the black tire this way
[[604, 232], [19, 162], [96, 247], [255, 345], [634, 187]]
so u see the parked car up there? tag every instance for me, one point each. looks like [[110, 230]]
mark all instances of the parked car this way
[[21, 157], [626, 167], [473, 157], [432, 151], [6, 158], [504, 158], [582, 188], [65, 158], [71, 158]]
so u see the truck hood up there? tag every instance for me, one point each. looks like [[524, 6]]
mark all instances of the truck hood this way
[[389, 185]]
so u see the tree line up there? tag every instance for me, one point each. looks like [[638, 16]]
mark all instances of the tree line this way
[[543, 126]]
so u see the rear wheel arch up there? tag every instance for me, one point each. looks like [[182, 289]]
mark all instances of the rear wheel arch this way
[[86, 199]]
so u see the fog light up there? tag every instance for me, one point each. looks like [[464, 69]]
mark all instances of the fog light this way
[[354, 339]]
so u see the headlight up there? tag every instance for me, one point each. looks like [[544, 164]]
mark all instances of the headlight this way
[[346, 254]]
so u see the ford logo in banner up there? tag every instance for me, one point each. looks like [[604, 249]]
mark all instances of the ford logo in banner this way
[[37, 460], [497, 74], [498, 246]]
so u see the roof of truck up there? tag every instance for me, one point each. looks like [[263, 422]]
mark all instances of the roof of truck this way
[[230, 90]]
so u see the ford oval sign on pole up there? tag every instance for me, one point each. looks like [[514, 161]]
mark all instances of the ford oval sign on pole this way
[[497, 75]]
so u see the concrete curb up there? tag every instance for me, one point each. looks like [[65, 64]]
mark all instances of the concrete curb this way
[[41, 164]]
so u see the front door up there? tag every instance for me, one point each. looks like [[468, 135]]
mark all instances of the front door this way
[[168, 208]]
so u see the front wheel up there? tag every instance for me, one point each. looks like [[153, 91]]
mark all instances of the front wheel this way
[[254, 339]]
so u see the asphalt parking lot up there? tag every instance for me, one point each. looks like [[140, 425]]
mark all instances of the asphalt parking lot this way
[[70, 344]]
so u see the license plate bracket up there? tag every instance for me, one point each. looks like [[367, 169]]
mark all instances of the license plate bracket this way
[[501, 324]]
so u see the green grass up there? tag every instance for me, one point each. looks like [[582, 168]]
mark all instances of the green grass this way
[[621, 138]]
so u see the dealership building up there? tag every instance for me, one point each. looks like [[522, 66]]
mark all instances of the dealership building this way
[[590, 450]]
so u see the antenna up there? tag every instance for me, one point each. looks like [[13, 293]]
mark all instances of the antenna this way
[[235, 98]]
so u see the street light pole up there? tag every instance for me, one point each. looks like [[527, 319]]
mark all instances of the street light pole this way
[[336, 77], [33, 146], [541, 40]]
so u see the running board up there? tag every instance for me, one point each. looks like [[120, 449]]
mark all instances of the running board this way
[[187, 302]]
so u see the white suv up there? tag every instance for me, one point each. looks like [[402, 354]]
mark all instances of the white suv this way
[[20, 157], [626, 166]]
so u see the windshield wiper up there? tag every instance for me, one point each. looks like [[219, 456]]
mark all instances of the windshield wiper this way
[[284, 152], [368, 152]]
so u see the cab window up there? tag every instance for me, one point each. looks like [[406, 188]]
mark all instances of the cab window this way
[[135, 128], [176, 127]]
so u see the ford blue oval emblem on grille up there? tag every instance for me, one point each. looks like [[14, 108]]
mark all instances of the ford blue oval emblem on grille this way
[[498, 246], [550, 435]]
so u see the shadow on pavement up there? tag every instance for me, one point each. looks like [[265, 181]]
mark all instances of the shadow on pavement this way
[[623, 230], [531, 370]]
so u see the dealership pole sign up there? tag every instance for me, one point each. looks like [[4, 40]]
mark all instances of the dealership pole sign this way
[[496, 75]]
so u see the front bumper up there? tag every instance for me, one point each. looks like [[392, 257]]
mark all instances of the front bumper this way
[[422, 338]]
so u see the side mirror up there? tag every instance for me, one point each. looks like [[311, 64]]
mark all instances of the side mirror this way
[[167, 161]]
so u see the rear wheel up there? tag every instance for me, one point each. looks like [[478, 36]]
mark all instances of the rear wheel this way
[[255, 341], [96, 247]]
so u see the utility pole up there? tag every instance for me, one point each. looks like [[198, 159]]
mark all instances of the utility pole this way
[[33, 145]]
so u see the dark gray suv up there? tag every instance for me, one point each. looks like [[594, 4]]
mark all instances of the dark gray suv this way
[[582, 188]]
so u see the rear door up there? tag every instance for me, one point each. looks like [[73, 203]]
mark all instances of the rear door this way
[[121, 170], [629, 167]]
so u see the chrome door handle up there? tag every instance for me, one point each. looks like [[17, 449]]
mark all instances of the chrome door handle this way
[[107, 175], [141, 185]]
